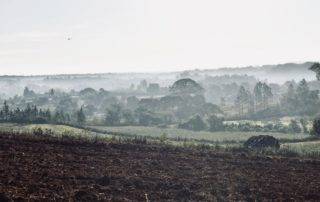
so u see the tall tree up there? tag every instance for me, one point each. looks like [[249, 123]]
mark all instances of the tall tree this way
[[262, 95], [258, 97], [81, 117], [266, 95], [308, 100], [242, 100], [303, 89], [5, 110], [289, 101]]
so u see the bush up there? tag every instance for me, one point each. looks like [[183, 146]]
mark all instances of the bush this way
[[316, 127], [147, 118], [163, 138], [37, 131], [195, 123], [304, 125], [215, 123], [247, 127], [279, 127], [262, 141], [294, 127]]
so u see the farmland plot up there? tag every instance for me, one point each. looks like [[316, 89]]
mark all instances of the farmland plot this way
[[83, 171], [219, 137]]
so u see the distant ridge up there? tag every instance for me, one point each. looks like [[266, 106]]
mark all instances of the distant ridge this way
[[284, 68]]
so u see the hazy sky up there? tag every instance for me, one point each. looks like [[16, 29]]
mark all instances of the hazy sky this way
[[154, 35]]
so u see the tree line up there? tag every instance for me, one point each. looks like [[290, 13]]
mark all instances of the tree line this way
[[33, 114], [258, 103], [215, 123]]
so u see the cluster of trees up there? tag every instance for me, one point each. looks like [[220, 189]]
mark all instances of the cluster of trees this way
[[196, 123], [300, 100], [293, 127], [215, 123], [297, 100], [184, 103], [249, 102], [33, 114], [185, 99], [117, 115]]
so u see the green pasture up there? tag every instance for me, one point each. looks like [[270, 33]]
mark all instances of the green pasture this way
[[174, 133], [296, 143]]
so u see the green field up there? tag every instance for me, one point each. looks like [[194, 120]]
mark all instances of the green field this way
[[285, 121], [174, 133], [290, 142], [311, 148], [57, 130]]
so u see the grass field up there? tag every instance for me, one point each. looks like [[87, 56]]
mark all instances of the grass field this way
[[290, 142], [57, 130], [155, 132], [311, 148], [219, 137], [284, 120]]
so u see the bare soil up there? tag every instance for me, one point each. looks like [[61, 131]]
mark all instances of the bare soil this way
[[37, 170]]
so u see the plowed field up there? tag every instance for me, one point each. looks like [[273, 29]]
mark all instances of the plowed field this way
[[36, 169]]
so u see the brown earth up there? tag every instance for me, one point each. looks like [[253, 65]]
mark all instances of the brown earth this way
[[34, 169]]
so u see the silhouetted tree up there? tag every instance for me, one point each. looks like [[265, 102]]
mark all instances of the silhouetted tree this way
[[316, 68], [242, 100], [186, 87], [262, 95], [81, 118]]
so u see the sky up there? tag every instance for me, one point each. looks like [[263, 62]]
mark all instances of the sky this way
[[88, 36]]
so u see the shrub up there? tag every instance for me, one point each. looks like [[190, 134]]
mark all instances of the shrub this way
[[195, 123], [316, 127], [146, 117], [163, 138], [279, 127], [304, 125], [66, 134], [246, 127], [37, 131], [262, 141], [215, 123], [294, 127]]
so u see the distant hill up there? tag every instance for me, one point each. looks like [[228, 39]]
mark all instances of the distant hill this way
[[280, 73], [273, 73]]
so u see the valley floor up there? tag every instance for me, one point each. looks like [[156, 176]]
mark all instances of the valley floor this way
[[39, 169]]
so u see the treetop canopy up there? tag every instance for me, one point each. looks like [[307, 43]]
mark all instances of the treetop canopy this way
[[186, 86]]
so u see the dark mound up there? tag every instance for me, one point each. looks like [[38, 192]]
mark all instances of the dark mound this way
[[262, 141]]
